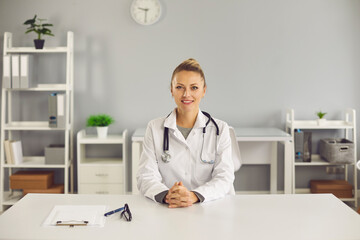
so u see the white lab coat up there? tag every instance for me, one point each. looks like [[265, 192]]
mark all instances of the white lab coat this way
[[212, 181]]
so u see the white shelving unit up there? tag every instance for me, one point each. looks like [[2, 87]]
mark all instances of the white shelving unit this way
[[101, 175], [349, 127], [8, 126]]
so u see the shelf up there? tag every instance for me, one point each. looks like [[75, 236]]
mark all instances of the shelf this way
[[31, 125], [35, 162], [316, 160], [33, 50], [37, 89], [102, 161], [42, 87], [93, 139], [10, 198], [312, 124]]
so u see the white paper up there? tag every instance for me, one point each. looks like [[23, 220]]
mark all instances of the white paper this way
[[94, 214]]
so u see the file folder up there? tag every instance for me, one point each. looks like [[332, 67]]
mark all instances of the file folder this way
[[6, 71], [57, 110], [24, 71], [15, 70], [16, 152]]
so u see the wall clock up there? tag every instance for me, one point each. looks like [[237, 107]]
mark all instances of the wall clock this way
[[145, 12]]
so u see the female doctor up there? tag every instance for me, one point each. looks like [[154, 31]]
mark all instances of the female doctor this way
[[186, 156]]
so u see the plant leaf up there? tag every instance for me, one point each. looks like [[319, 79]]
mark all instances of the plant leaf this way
[[30, 21]]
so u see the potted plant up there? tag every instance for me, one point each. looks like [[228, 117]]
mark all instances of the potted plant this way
[[38, 26], [101, 122], [321, 120]]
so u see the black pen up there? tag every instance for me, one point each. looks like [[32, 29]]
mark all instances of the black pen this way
[[113, 211]]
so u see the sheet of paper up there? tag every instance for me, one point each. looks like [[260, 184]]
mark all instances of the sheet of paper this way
[[94, 214]]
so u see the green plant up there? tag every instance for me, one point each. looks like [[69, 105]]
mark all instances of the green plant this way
[[100, 120], [36, 25], [321, 114]]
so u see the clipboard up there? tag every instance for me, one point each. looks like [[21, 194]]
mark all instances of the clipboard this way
[[76, 215]]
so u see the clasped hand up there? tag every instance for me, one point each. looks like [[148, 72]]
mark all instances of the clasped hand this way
[[180, 196]]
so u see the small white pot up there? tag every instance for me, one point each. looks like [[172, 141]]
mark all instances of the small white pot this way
[[321, 121], [102, 131]]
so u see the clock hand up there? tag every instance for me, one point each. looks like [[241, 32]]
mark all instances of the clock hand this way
[[146, 14], [144, 9]]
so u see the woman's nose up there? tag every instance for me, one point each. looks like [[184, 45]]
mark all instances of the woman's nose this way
[[186, 91]]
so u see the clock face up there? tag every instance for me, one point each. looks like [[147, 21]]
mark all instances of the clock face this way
[[145, 12]]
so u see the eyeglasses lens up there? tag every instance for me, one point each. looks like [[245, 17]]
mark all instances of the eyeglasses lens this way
[[126, 213]]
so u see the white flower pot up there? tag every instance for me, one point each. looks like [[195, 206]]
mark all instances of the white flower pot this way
[[102, 132], [321, 121]]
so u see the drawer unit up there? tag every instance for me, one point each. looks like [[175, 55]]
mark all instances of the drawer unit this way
[[101, 174], [109, 188]]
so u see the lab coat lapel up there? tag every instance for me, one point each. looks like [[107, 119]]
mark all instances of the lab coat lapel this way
[[170, 122], [201, 120]]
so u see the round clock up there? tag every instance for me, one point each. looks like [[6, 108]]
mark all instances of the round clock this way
[[145, 12]]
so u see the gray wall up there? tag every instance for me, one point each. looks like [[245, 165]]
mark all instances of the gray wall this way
[[260, 57]]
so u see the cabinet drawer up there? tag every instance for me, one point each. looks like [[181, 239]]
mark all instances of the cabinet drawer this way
[[101, 174], [89, 188]]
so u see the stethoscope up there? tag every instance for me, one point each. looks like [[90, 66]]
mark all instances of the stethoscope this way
[[165, 156]]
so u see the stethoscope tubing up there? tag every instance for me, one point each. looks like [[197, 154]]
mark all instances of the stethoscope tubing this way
[[166, 155]]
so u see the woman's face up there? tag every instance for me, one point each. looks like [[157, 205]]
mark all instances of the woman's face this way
[[188, 89]]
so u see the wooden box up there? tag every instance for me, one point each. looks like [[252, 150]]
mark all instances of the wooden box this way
[[56, 188], [340, 188], [31, 180]]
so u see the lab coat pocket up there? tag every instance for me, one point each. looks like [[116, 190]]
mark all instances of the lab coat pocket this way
[[204, 167]]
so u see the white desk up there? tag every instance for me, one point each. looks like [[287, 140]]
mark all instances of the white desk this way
[[234, 217], [257, 146]]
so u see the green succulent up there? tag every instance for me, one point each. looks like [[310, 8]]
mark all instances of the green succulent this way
[[100, 120], [321, 114], [36, 25]]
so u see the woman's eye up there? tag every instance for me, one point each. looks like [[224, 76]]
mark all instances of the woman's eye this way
[[178, 87], [194, 88]]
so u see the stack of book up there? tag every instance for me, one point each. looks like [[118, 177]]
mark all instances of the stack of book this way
[[13, 152]]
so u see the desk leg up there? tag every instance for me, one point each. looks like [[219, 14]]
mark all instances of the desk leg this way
[[136, 153], [287, 168], [273, 168]]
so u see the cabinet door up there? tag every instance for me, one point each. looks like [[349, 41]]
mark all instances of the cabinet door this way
[[90, 188], [101, 174]]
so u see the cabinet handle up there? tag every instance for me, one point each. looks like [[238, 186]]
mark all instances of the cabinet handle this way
[[102, 192], [101, 174]]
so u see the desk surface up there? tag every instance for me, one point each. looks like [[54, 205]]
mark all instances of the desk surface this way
[[317, 216], [242, 134]]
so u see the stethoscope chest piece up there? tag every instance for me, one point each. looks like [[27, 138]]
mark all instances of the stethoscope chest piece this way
[[165, 157]]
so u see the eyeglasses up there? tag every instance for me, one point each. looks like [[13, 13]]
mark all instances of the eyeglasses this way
[[126, 213]]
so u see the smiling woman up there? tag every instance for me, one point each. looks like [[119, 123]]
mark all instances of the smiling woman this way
[[198, 166]]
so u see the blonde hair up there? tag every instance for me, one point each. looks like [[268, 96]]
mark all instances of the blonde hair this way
[[189, 65]]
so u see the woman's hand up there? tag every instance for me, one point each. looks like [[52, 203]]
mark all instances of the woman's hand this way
[[180, 196]]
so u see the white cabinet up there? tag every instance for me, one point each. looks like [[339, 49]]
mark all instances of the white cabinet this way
[[12, 126], [101, 175], [348, 125]]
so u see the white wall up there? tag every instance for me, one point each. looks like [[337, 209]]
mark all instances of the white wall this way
[[260, 57]]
